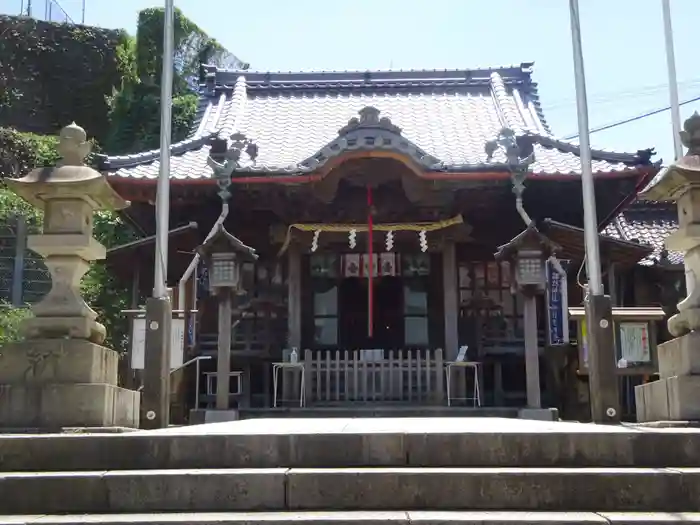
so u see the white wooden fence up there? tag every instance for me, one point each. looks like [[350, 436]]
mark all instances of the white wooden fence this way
[[341, 377]]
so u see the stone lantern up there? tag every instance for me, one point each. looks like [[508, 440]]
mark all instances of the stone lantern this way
[[231, 268], [676, 396], [60, 375], [527, 254]]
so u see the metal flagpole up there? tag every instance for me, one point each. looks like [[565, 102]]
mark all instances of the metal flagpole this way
[[158, 308], [601, 348], [672, 81]]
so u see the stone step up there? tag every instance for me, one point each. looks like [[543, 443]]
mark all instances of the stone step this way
[[364, 518], [420, 442], [221, 490]]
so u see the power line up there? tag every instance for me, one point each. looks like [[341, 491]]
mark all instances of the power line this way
[[614, 96], [632, 119]]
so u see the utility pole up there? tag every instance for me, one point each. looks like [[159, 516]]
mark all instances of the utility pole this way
[[674, 104], [156, 391], [672, 80], [605, 402]]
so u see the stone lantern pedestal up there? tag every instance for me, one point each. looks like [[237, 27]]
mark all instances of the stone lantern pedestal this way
[[60, 375], [676, 396]]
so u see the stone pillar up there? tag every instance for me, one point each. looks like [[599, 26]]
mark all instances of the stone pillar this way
[[676, 395], [61, 375]]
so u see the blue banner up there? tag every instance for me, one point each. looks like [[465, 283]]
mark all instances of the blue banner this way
[[557, 304]]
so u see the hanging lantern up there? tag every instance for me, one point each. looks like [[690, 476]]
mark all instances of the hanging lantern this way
[[352, 239], [314, 241], [423, 238], [389, 241]]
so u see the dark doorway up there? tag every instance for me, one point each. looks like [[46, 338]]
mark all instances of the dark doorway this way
[[388, 313]]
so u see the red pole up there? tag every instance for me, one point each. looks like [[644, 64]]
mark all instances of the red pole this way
[[370, 274]]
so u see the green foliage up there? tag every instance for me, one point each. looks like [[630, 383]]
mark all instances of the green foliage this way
[[101, 290], [139, 129], [52, 74], [192, 47], [10, 320], [135, 109], [20, 152]]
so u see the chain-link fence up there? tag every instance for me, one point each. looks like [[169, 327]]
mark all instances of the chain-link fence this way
[[24, 278], [47, 10], [8, 250]]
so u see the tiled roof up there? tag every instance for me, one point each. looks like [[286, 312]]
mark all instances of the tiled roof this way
[[442, 119], [648, 223]]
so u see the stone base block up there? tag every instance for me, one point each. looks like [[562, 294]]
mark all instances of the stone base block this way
[[64, 327], [50, 361], [55, 406], [683, 398], [671, 399], [680, 356], [651, 400], [539, 414]]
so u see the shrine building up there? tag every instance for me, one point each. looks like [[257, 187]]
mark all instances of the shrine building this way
[[376, 202]]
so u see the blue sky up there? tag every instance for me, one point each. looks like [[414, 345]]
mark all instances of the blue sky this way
[[623, 46]]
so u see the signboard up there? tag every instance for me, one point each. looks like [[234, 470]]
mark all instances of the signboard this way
[[138, 343], [557, 303], [634, 342]]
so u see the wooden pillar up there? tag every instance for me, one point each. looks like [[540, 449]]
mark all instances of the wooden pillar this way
[[223, 360], [450, 291], [289, 380], [294, 297], [612, 283], [532, 357], [498, 392]]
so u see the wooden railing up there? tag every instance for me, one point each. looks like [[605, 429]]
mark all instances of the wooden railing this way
[[373, 376]]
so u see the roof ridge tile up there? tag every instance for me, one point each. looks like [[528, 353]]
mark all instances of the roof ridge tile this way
[[504, 104], [446, 118]]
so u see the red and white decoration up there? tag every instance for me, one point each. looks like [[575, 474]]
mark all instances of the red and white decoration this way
[[423, 238], [352, 239], [388, 266], [351, 265], [357, 265], [389, 241]]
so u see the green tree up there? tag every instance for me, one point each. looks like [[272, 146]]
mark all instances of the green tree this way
[[10, 320], [135, 108]]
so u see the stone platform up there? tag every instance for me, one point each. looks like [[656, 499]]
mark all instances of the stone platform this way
[[356, 470], [345, 442]]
